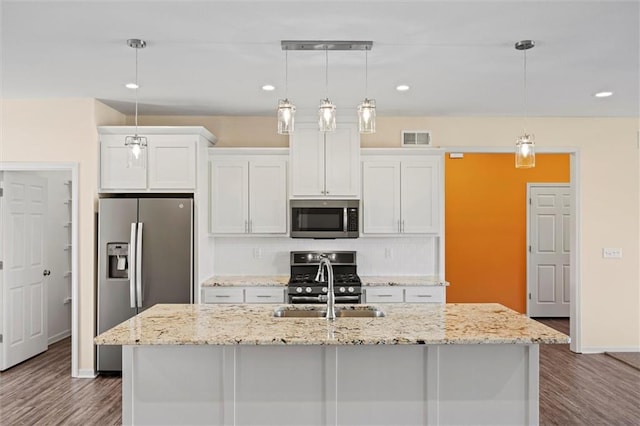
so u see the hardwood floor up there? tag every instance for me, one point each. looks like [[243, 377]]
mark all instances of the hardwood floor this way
[[575, 389], [41, 391]]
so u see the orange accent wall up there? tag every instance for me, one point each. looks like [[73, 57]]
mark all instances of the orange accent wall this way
[[485, 225]]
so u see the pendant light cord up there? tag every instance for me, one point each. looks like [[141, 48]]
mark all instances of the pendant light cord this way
[[286, 74], [525, 92], [136, 95], [326, 72], [366, 72]]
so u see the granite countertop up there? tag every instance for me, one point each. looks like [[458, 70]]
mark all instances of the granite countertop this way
[[219, 324], [246, 281], [399, 280], [282, 280]]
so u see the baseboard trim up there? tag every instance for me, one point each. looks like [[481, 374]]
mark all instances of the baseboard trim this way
[[603, 349], [57, 337], [87, 374]]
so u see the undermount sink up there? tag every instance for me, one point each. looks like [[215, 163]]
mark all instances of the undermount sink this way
[[352, 311]]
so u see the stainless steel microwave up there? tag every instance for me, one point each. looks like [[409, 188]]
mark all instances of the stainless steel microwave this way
[[325, 218]]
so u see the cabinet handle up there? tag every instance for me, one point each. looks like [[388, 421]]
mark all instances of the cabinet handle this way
[[222, 295], [423, 295], [399, 228], [246, 226], [385, 295], [402, 226], [250, 226], [326, 192], [264, 296]]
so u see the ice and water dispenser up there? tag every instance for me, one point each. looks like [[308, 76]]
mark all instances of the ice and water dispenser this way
[[118, 260]]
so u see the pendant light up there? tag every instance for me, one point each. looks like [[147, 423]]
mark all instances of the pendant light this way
[[525, 146], [286, 109], [136, 143], [327, 110], [367, 108]]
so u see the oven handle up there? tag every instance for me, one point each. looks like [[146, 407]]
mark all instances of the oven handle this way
[[347, 298], [310, 299]]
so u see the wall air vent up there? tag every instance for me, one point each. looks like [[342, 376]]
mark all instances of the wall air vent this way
[[413, 138]]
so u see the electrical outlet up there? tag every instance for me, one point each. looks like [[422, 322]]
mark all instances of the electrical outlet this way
[[388, 253], [257, 253], [612, 253]]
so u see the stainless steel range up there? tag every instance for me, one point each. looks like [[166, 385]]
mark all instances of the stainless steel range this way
[[303, 287]]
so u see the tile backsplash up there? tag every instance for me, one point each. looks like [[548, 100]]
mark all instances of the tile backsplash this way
[[376, 256]]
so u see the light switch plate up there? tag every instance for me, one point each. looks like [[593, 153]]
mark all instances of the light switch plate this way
[[612, 253]]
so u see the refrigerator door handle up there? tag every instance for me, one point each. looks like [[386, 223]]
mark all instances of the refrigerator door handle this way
[[139, 266], [132, 266]]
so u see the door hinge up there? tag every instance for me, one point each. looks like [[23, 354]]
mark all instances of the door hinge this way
[[529, 249], [529, 200]]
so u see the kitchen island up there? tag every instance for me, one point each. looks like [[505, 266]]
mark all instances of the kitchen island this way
[[419, 364]]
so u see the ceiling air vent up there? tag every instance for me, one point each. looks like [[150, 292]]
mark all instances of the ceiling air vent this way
[[412, 138]]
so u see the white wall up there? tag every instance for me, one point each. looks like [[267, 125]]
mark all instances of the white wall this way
[[270, 255], [58, 259]]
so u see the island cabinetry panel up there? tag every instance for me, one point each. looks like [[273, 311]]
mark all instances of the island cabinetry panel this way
[[169, 161], [243, 294], [401, 194], [331, 385], [325, 164], [248, 195], [412, 294]]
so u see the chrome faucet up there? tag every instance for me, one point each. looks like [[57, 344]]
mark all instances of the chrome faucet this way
[[331, 297]]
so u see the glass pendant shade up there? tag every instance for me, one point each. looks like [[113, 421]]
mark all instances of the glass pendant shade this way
[[135, 154], [367, 116], [286, 117], [525, 152], [327, 116]]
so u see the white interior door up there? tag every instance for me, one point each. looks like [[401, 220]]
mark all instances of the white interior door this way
[[549, 239], [24, 295]]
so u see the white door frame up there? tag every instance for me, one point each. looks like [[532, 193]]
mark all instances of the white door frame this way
[[73, 168], [529, 269], [575, 318]]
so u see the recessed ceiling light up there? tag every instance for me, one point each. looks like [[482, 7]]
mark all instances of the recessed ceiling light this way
[[603, 94], [268, 87], [131, 86], [402, 88]]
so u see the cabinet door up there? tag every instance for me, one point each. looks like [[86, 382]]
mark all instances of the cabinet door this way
[[420, 196], [172, 163], [223, 295], [381, 197], [430, 294], [229, 197], [268, 197], [114, 171], [264, 295], [307, 162], [342, 162], [383, 295]]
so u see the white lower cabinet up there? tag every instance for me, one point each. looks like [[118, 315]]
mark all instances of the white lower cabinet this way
[[395, 294], [243, 295]]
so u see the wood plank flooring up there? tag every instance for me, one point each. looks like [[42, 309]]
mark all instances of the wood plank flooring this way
[[575, 389]]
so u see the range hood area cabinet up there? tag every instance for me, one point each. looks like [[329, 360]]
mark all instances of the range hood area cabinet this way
[[248, 193], [325, 164], [170, 158], [402, 194]]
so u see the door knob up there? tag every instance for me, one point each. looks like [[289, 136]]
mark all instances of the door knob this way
[[46, 272]]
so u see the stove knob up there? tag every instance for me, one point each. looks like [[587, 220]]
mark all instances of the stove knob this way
[[350, 290], [342, 290], [309, 290], [298, 289], [324, 289]]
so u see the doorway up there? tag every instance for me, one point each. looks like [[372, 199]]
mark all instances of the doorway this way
[[57, 311]]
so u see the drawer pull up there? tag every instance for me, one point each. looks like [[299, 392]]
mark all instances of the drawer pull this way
[[222, 295], [424, 295], [264, 296], [384, 295]]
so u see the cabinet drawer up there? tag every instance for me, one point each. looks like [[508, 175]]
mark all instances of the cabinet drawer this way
[[383, 295], [424, 295], [264, 295], [223, 295]]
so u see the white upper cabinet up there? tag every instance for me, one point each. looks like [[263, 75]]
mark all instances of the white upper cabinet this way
[[248, 193], [401, 194], [325, 164], [169, 162]]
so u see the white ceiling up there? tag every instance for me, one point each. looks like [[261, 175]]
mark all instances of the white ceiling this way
[[211, 58]]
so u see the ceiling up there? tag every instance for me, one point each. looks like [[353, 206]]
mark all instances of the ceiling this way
[[212, 58]]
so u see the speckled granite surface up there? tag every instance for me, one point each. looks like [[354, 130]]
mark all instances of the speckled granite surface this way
[[281, 280], [402, 281], [246, 280], [404, 324]]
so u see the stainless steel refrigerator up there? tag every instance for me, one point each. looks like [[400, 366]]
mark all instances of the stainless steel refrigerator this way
[[145, 256]]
